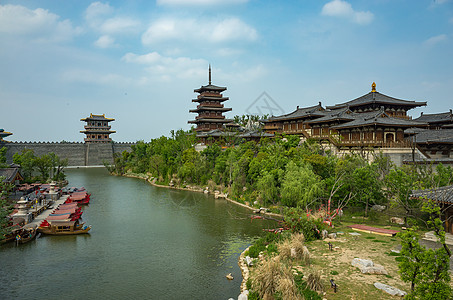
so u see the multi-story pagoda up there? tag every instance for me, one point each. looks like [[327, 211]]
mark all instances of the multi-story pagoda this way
[[210, 108], [97, 129]]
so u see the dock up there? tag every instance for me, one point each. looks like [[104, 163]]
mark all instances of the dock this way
[[45, 213]]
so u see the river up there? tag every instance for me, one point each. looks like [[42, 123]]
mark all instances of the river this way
[[146, 243]]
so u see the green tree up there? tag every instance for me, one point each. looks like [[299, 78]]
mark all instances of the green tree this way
[[26, 160], [3, 157], [57, 166], [43, 164], [268, 189], [5, 189], [301, 186], [426, 269]]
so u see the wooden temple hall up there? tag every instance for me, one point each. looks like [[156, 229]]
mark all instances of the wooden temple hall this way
[[373, 120]]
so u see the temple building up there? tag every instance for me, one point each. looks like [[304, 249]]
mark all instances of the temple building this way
[[4, 134], [97, 129], [372, 120], [437, 121], [210, 108]]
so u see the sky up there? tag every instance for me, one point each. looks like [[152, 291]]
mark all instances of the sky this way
[[139, 61]]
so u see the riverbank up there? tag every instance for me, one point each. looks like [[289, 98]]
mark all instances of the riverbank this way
[[152, 181]]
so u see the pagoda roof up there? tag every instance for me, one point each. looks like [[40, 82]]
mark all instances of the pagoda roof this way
[[436, 118], [375, 97], [343, 114], [315, 111], [434, 136], [210, 98], [378, 118], [204, 108], [98, 131], [97, 118], [210, 87], [209, 120]]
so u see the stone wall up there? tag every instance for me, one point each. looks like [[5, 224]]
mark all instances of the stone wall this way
[[78, 154]]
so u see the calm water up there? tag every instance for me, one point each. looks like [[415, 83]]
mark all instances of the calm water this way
[[146, 242]]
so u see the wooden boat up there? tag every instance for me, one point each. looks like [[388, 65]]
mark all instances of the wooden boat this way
[[27, 235], [63, 228], [11, 235]]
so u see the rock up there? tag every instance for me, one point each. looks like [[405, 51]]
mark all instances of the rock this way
[[255, 203], [243, 295], [293, 252], [206, 191], [305, 250], [229, 277], [361, 263], [378, 208], [397, 220], [367, 266], [354, 233], [324, 234], [390, 289], [332, 235], [248, 261], [395, 251]]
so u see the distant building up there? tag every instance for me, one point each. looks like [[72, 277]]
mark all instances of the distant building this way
[[4, 134], [372, 120], [97, 129], [210, 108]]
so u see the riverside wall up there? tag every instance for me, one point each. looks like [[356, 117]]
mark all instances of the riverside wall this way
[[77, 153]]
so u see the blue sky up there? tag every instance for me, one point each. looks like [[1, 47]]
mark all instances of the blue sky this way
[[139, 61]]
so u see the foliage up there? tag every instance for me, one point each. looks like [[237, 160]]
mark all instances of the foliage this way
[[298, 222], [426, 269], [49, 166], [3, 157], [5, 189]]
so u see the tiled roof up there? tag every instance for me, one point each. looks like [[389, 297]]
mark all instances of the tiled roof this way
[[97, 118], [442, 194], [317, 111], [9, 174], [378, 118], [343, 114], [377, 98], [436, 118], [437, 136], [210, 87]]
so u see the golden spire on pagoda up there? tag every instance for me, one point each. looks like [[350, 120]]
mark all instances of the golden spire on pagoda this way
[[373, 87]]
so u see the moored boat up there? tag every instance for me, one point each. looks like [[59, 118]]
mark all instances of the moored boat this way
[[57, 227], [26, 235]]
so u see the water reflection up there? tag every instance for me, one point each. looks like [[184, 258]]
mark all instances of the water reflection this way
[[146, 242]]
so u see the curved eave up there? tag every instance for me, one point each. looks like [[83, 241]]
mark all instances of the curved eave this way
[[210, 121], [210, 87], [207, 108], [97, 131], [377, 124], [219, 99], [93, 119]]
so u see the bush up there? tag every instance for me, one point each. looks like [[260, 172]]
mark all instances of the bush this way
[[297, 220]]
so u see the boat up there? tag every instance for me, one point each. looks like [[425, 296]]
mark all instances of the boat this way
[[63, 228], [26, 235], [11, 235]]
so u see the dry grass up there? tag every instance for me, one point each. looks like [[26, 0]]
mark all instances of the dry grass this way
[[273, 276], [295, 248], [315, 282]]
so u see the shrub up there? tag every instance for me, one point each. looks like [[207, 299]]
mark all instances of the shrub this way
[[314, 282]]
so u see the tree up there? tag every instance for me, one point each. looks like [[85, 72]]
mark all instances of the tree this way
[[300, 186], [426, 269], [26, 160], [267, 185], [5, 189], [58, 166], [3, 157]]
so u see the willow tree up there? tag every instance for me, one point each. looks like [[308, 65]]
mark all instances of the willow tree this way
[[301, 187]]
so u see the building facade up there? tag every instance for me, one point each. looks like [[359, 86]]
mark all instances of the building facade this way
[[97, 129]]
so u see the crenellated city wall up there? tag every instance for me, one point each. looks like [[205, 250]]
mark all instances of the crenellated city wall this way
[[77, 153]]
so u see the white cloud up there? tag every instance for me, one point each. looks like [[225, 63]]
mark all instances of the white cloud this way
[[164, 67], [199, 2], [40, 24], [105, 41], [101, 18], [343, 9], [90, 77], [436, 40], [97, 10], [214, 31]]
